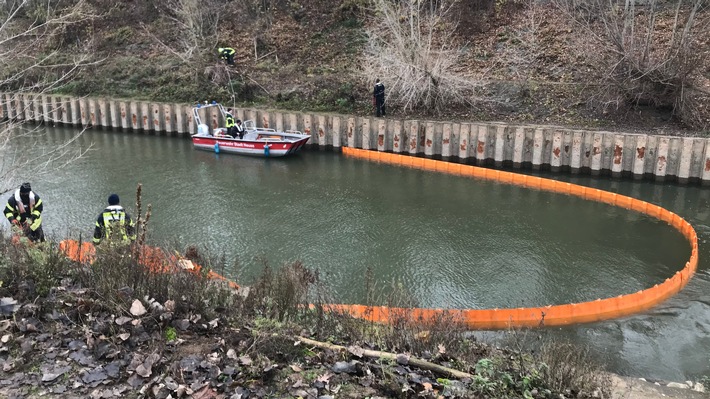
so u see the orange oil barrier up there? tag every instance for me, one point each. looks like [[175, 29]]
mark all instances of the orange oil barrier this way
[[601, 309], [154, 259]]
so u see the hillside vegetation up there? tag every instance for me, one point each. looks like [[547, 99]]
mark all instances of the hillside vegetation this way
[[594, 64]]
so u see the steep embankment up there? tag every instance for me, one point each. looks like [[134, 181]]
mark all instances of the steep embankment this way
[[532, 62]]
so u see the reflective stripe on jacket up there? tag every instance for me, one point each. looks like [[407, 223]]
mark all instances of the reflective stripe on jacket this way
[[17, 210], [115, 224]]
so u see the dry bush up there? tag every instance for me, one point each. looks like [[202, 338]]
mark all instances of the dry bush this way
[[281, 294], [409, 48], [197, 22], [572, 367], [645, 55]]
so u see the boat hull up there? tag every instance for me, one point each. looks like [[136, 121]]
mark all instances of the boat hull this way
[[248, 147]]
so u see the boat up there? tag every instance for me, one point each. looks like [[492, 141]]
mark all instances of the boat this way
[[256, 141]]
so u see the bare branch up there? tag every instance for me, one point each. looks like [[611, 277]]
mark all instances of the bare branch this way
[[29, 28]]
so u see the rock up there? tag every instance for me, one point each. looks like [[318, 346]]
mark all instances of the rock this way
[[8, 306], [5, 338], [402, 359], [137, 308], [677, 385], [122, 320], [181, 325], [344, 367], [698, 387]]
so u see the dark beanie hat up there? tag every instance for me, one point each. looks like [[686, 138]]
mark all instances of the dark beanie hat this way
[[113, 199], [25, 188]]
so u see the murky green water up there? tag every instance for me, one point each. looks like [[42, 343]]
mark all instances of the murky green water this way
[[450, 241]]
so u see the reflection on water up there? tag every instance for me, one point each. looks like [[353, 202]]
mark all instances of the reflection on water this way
[[451, 241]]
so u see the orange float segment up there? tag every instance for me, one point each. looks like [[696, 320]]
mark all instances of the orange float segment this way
[[154, 259]]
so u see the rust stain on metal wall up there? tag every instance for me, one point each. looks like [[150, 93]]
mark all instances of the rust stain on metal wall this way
[[380, 140], [707, 165], [134, 120], [596, 151], [661, 162], [481, 147], [463, 145], [265, 122], [350, 131], [640, 152], [321, 133], [446, 140], [428, 142], [557, 152], [618, 151]]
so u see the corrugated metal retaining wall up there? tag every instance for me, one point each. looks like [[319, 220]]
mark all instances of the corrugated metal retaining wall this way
[[685, 159]]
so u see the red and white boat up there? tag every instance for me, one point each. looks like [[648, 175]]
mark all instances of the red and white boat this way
[[256, 141]]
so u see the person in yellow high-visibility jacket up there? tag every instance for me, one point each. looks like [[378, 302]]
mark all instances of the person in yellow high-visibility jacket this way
[[24, 211], [114, 224], [227, 54]]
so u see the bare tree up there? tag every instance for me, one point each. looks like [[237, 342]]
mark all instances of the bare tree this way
[[197, 22], [31, 61], [409, 47], [648, 54]]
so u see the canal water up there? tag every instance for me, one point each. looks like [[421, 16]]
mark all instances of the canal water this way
[[448, 241]]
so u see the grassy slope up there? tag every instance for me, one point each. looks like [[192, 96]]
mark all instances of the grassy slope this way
[[307, 60]]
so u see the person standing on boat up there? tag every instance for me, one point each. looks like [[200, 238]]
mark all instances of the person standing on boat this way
[[114, 223], [229, 123], [227, 54], [378, 94], [24, 211], [239, 129]]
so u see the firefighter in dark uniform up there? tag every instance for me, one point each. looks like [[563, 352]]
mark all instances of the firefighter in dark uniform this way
[[229, 123], [24, 210], [378, 94], [114, 224], [239, 129], [227, 54]]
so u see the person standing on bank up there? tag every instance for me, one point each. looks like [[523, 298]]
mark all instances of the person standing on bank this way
[[114, 224], [24, 211], [229, 123], [378, 94]]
